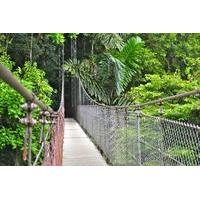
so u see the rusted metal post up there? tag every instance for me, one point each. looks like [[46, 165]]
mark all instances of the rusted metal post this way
[[138, 115], [43, 121], [29, 122], [126, 134], [161, 112]]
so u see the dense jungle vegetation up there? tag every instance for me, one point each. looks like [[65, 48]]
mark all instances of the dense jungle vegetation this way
[[116, 69]]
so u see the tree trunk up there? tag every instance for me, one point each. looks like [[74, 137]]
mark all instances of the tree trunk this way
[[17, 157], [31, 48], [92, 48]]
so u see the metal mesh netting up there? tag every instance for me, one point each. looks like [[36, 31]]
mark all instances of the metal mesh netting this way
[[128, 137], [54, 149]]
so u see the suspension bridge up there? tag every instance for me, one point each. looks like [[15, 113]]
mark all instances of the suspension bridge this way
[[106, 135]]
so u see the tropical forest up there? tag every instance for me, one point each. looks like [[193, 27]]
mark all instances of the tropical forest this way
[[136, 96]]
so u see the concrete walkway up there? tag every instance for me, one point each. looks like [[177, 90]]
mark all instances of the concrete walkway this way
[[78, 150]]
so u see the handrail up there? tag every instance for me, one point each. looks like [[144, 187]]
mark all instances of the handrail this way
[[7, 76], [161, 100]]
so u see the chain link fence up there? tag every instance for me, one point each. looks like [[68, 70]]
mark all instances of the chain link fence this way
[[130, 137]]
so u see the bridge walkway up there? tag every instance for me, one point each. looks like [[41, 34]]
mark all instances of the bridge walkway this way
[[78, 149]]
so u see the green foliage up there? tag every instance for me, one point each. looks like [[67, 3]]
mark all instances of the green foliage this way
[[126, 63], [122, 100], [5, 41], [160, 86], [174, 50], [45, 52], [117, 69], [120, 62], [150, 64], [85, 72], [58, 38], [11, 131], [31, 74], [73, 36], [107, 74], [5, 59], [108, 41], [182, 153]]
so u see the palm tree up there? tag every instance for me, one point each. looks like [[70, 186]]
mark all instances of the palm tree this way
[[112, 65]]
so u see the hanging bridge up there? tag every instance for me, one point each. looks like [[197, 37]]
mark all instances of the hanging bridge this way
[[106, 135]]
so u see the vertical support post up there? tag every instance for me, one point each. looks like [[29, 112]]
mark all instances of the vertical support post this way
[[29, 143], [126, 126], [109, 135], [42, 127], [198, 96], [29, 131], [29, 122], [138, 115], [161, 112], [104, 130], [97, 125], [44, 114], [117, 118], [116, 138], [79, 92], [99, 121], [72, 95]]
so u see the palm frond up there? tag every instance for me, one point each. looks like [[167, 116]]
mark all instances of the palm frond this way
[[107, 75], [122, 101], [83, 70], [131, 50], [109, 40], [122, 73]]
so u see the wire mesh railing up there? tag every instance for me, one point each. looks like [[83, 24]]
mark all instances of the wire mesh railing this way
[[52, 140], [127, 136], [54, 149]]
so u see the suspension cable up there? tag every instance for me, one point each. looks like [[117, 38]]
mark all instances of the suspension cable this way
[[141, 105]]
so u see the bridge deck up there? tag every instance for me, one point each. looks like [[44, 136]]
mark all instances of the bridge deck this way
[[78, 150]]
